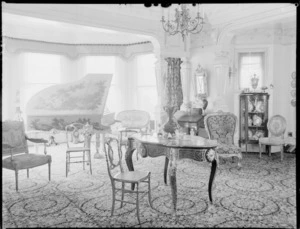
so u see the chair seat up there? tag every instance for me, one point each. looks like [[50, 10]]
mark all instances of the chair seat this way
[[272, 141], [228, 149], [77, 149], [25, 161], [132, 176]]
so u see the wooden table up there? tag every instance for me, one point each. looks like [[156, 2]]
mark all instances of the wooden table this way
[[191, 121], [193, 147]]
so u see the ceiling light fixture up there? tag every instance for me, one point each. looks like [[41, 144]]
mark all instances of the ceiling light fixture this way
[[183, 23]]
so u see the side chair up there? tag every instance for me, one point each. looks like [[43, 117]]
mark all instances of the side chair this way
[[14, 145], [117, 175], [276, 127], [221, 126], [78, 138]]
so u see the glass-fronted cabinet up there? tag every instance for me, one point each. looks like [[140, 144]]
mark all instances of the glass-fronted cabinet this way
[[253, 117]]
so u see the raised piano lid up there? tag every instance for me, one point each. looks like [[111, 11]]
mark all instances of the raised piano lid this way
[[79, 101]]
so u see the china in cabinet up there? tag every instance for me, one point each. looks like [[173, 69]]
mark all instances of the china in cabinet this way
[[253, 117]]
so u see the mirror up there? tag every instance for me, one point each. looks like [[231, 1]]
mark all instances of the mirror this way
[[200, 82]]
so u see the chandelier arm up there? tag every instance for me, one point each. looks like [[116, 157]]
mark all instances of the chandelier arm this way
[[197, 30]]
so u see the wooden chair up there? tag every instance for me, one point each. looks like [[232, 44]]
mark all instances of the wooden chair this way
[[113, 156], [14, 144], [221, 126], [276, 127], [78, 137], [131, 121]]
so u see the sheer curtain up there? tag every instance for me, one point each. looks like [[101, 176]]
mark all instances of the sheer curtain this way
[[146, 90], [250, 63], [39, 72]]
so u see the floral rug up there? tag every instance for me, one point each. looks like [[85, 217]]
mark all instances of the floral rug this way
[[262, 194]]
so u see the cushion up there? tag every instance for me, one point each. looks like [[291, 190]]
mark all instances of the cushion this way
[[25, 161], [228, 149], [272, 141], [132, 176]]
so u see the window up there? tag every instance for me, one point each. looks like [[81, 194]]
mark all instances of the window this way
[[251, 63], [146, 83], [40, 71], [105, 65]]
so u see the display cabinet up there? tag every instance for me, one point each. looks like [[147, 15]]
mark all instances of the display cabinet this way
[[253, 117]]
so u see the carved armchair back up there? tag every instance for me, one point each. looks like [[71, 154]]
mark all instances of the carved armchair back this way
[[133, 119], [221, 126], [277, 126], [13, 134]]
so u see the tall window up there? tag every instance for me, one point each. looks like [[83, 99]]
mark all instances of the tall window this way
[[251, 63], [40, 71], [104, 65], [146, 83]]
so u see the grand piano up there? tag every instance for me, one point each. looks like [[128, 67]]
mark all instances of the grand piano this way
[[80, 101]]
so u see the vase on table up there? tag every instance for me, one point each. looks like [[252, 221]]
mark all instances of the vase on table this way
[[254, 81], [171, 125]]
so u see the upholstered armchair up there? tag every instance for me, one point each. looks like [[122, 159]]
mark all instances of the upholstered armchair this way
[[15, 150], [221, 126]]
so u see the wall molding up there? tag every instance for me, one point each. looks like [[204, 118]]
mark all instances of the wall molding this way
[[73, 51]]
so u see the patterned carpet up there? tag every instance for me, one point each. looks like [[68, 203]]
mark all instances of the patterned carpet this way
[[262, 194]]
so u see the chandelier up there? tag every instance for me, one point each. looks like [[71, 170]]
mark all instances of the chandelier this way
[[183, 23]]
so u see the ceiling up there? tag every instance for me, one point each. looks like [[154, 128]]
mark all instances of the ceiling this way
[[239, 16]]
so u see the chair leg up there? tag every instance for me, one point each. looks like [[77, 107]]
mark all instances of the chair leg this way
[[66, 164], [149, 192], [83, 160], [113, 201], [239, 162], [123, 184], [269, 148], [49, 170], [281, 152], [16, 175], [27, 173], [259, 150], [137, 203], [90, 161]]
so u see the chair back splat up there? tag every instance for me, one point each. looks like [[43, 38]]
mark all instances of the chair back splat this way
[[113, 159], [221, 126], [277, 126]]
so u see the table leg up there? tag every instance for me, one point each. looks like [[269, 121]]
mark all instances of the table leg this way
[[173, 155], [211, 178], [128, 157], [166, 169]]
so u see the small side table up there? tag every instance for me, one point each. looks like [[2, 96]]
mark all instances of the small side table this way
[[191, 121]]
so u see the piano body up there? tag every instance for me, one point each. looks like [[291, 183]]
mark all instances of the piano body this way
[[80, 101]]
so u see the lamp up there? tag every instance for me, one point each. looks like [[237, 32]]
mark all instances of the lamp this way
[[183, 23]]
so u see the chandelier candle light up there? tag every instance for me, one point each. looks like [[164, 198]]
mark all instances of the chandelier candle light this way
[[183, 23]]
